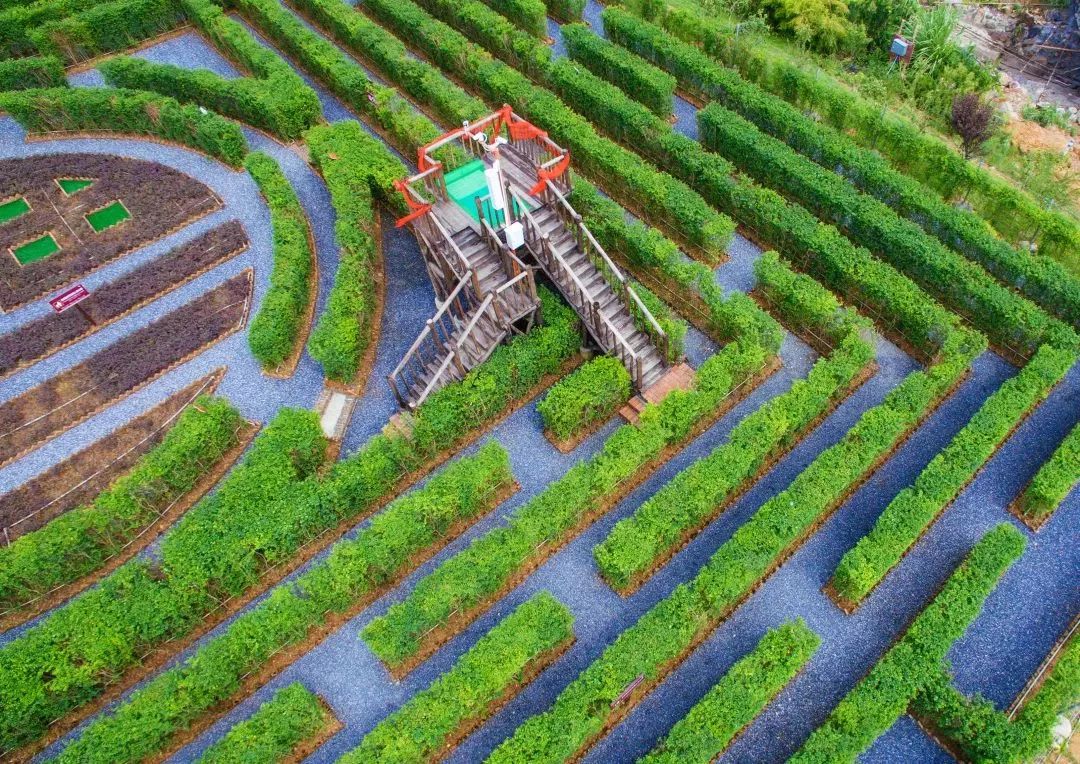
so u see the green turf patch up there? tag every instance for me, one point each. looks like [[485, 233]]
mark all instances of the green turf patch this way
[[108, 216], [12, 209], [72, 185], [35, 250]]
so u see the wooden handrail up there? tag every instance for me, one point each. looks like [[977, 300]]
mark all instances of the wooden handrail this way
[[427, 330]]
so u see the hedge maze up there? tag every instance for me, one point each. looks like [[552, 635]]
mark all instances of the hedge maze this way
[[847, 535]]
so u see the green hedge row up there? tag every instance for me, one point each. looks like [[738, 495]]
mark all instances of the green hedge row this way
[[78, 542], [1054, 480], [1007, 317], [278, 325], [530, 15], [489, 673], [640, 543], [343, 332], [884, 694], [105, 28], [658, 196], [31, 72], [406, 128], [355, 569], [566, 10], [985, 735], [126, 111], [907, 145], [672, 324], [589, 395], [276, 99], [293, 716], [471, 578], [1043, 280], [912, 511], [16, 22], [425, 83], [643, 81], [737, 699], [664, 634], [69, 658]]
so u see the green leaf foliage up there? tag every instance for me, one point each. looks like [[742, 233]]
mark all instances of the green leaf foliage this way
[[31, 72], [19, 17], [277, 326], [587, 396], [653, 87], [80, 541], [273, 732], [565, 10], [489, 673], [737, 699], [104, 28], [126, 111], [473, 576], [529, 15], [1054, 480], [912, 511], [383, 552], [884, 694]]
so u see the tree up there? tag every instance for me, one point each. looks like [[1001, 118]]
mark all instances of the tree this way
[[973, 120]]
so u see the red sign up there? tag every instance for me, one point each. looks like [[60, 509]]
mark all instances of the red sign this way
[[69, 297]]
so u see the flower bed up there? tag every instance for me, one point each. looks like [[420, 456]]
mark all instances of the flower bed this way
[[54, 331], [70, 397], [495, 669], [737, 699], [138, 183]]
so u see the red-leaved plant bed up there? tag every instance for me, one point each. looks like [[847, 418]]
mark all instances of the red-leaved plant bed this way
[[159, 199], [70, 397], [53, 331]]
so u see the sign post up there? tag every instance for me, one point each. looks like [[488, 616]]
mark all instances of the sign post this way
[[69, 298]]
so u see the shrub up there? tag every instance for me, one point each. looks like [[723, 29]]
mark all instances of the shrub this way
[[530, 15], [354, 571], [277, 327], [640, 80], [884, 694], [19, 18], [126, 111], [586, 397], [1054, 480], [469, 580], [492, 671], [293, 716], [566, 10], [31, 72], [673, 326], [78, 542], [105, 28], [736, 700], [908, 515], [658, 196]]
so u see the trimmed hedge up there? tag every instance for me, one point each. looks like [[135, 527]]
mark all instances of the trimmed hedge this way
[[982, 733], [293, 716], [343, 332], [17, 22], [491, 672], [565, 10], [645, 540], [80, 541], [664, 634], [658, 196], [32, 72], [126, 111], [639, 79], [530, 15], [469, 579], [105, 28], [1055, 479], [673, 325], [424, 82], [737, 699], [884, 694], [907, 145], [277, 327], [275, 99], [908, 515], [1042, 279], [72, 655], [589, 395], [355, 569]]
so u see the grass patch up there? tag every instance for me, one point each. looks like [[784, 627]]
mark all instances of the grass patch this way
[[12, 209], [73, 185], [35, 250], [108, 216]]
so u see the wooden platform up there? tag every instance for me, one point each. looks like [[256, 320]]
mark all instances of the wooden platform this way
[[680, 377]]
